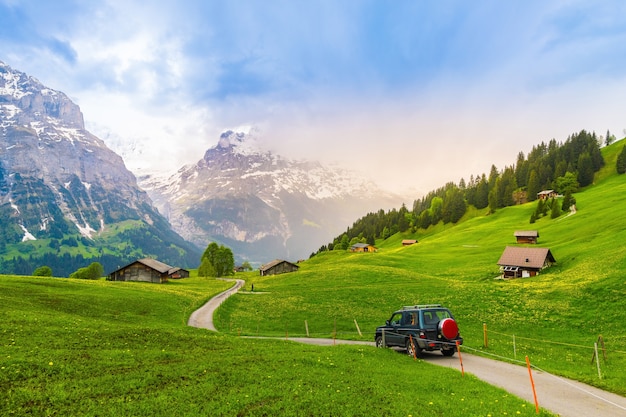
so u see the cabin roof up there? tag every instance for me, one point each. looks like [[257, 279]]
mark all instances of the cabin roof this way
[[525, 257]]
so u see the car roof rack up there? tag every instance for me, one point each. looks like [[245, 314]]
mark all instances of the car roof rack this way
[[420, 306]]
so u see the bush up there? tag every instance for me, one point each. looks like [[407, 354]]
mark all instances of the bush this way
[[93, 271], [43, 271]]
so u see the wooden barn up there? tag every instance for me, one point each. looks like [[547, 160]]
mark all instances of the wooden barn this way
[[278, 266], [409, 242], [147, 270], [363, 247], [547, 194], [526, 236], [523, 262]]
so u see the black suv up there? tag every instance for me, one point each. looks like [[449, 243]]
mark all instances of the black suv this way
[[420, 327]]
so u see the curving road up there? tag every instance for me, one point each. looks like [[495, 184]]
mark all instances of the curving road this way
[[561, 396]]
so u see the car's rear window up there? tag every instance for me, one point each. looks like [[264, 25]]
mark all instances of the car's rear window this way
[[432, 317]]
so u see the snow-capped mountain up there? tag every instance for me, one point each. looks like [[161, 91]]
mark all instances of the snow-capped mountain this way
[[260, 204], [59, 180]]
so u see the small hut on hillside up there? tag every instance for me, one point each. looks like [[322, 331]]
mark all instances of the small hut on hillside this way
[[363, 247], [277, 266], [526, 236], [147, 270], [522, 262]]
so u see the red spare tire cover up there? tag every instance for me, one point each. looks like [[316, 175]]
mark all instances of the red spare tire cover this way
[[448, 328]]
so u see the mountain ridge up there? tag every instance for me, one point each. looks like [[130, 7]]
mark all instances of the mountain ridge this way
[[293, 201], [58, 180]]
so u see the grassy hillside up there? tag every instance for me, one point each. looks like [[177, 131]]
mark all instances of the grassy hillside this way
[[73, 347], [555, 317], [98, 348]]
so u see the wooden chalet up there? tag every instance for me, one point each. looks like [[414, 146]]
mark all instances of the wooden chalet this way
[[147, 270], [278, 266], [409, 242], [547, 194], [526, 236], [522, 262], [363, 247]]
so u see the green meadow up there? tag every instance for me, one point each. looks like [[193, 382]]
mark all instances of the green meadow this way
[[554, 318], [98, 348]]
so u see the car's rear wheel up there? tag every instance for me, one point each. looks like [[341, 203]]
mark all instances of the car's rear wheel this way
[[379, 342], [411, 348]]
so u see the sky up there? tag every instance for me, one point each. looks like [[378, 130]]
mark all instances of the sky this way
[[413, 93]]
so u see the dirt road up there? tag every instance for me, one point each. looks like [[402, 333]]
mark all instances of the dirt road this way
[[561, 396]]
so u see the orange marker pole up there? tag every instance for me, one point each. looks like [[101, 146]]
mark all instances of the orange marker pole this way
[[413, 344], [532, 384], [458, 349]]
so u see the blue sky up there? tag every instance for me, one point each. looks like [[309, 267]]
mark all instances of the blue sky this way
[[416, 93]]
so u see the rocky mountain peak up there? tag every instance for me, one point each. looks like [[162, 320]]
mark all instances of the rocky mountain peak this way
[[56, 178], [26, 100], [261, 204]]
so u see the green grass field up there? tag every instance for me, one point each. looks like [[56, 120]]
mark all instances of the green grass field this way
[[98, 348], [88, 348], [555, 318]]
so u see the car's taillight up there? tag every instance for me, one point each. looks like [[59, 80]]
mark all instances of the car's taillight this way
[[422, 335]]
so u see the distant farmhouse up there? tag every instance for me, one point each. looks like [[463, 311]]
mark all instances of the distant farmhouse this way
[[409, 242], [277, 266], [523, 262], [547, 194], [147, 270], [526, 236], [363, 247]]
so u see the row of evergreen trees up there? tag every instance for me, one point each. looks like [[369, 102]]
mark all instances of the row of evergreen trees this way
[[563, 167]]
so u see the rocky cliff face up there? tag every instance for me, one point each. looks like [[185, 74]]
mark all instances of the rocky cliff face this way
[[56, 178], [261, 205]]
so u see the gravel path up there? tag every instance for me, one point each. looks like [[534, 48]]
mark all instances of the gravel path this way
[[561, 396]]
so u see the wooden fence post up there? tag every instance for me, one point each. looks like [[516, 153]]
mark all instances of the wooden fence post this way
[[485, 340]]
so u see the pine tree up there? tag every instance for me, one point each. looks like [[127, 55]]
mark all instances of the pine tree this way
[[585, 170], [533, 186], [555, 210], [567, 201], [621, 161]]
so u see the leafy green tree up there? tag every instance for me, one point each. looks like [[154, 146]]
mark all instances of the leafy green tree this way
[[43, 271], [436, 210], [93, 271], [206, 269], [220, 258], [246, 266], [566, 183], [621, 161], [345, 242], [210, 252]]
